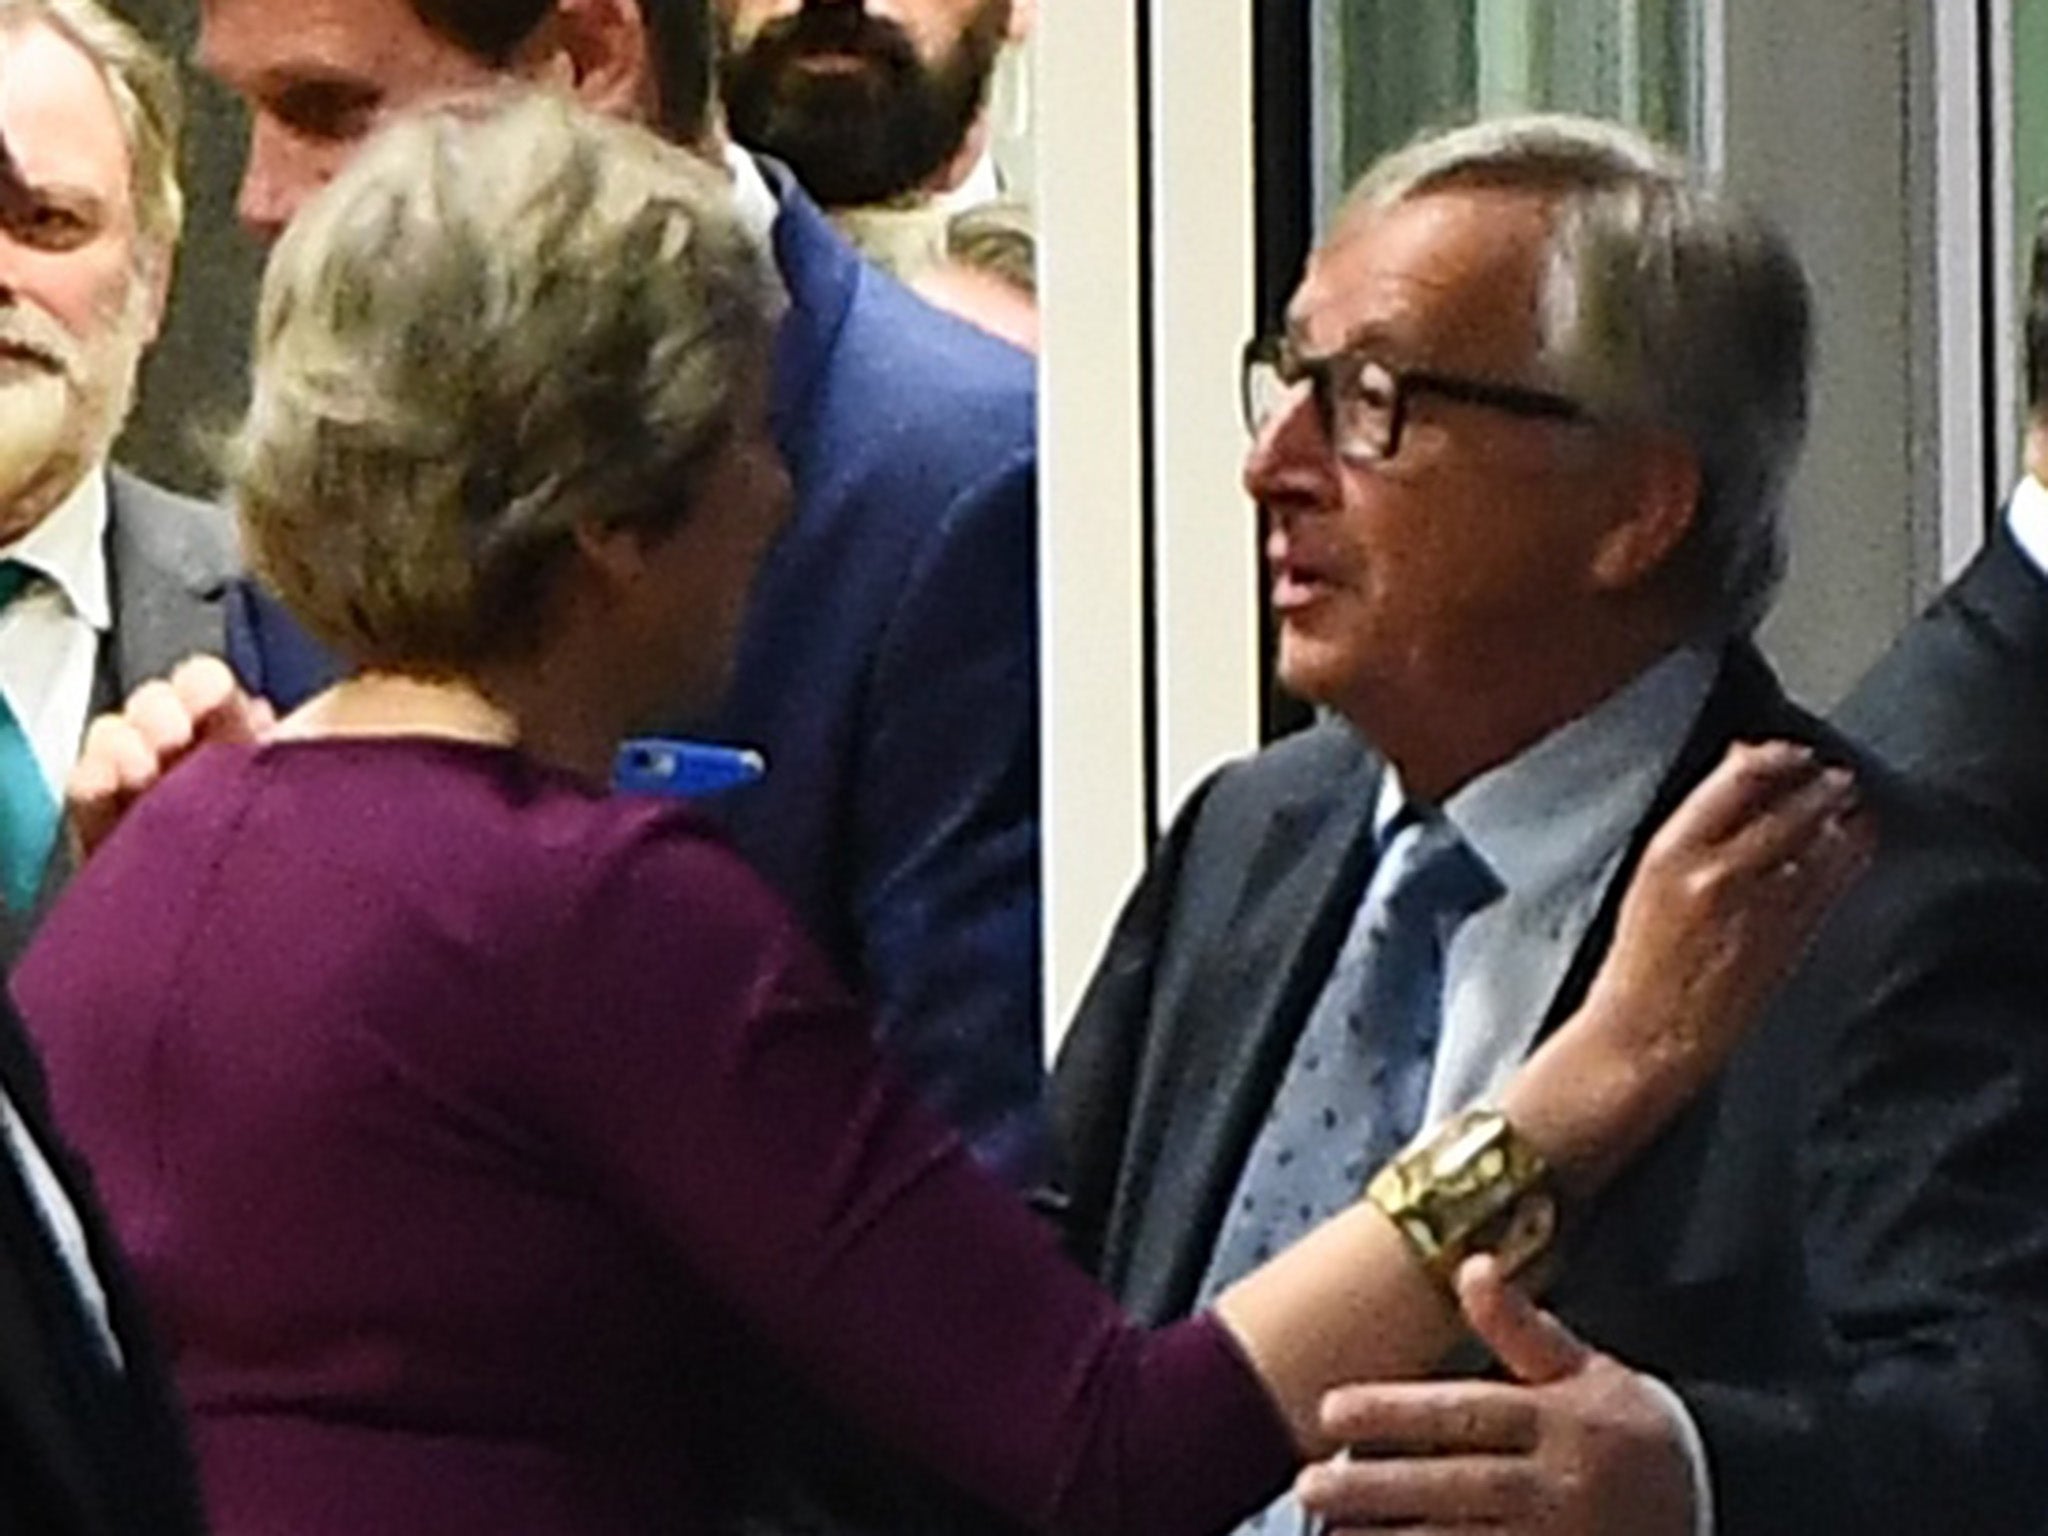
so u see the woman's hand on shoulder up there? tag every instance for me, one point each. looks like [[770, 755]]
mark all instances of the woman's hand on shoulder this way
[[127, 751], [1728, 895]]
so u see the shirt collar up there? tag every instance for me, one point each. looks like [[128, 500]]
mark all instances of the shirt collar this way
[[752, 196], [1565, 804], [69, 546], [2026, 514], [984, 184]]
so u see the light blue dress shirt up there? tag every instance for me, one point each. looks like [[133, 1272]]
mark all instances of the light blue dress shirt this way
[[1553, 824]]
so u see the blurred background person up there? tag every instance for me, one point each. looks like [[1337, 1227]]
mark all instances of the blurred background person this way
[[1960, 701], [105, 579], [478, 1133], [989, 274]]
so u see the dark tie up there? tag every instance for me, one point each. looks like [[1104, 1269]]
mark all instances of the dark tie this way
[[28, 811], [1355, 1089]]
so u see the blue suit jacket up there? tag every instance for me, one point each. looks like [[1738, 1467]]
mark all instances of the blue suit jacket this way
[[888, 669]]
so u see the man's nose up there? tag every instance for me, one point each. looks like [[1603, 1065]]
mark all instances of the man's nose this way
[[280, 175], [1290, 447], [12, 254]]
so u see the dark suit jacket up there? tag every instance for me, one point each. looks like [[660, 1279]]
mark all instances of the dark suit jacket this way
[[1839, 1255], [1960, 702], [170, 561], [888, 668], [84, 1450]]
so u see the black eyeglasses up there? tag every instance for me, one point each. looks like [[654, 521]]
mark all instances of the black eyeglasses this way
[[1362, 403]]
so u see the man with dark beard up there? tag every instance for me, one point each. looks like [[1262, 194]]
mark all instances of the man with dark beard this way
[[880, 107]]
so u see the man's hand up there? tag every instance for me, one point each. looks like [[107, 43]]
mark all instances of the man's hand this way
[[127, 752], [1578, 1445]]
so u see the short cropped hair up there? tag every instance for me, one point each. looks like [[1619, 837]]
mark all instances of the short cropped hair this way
[[680, 43], [996, 238], [504, 319], [147, 101], [1662, 304]]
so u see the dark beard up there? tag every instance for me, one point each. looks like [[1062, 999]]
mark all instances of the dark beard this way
[[866, 135]]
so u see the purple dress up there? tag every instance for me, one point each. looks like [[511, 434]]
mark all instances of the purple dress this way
[[474, 1136]]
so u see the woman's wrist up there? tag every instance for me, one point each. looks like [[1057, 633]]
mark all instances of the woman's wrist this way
[[1586, 1104], [1470, 1184]]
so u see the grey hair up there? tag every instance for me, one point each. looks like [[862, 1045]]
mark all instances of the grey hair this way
[[148, 101], [998, 238], [504, 319], [1662, 304]]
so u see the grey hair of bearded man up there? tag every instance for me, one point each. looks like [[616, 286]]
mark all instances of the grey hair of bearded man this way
[[148, 104], [507, 317], [1663, 305]]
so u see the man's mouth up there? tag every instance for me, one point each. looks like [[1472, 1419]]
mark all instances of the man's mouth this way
[[23, 354], [1298, 587], [833, 61], [1297, 580]]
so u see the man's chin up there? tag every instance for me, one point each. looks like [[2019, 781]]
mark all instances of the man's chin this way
[[1318, 672], [38, 434]]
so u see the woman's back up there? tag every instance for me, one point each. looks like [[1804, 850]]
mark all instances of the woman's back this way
[[334, 1093]]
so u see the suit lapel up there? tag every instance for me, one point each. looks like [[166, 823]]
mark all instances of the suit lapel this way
[[167, 588], [1744, 705], [2003, 592], [1210, 1085], [1636, 1221], [820, 273]]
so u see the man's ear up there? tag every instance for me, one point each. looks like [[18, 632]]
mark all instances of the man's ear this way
[[597, 49], [1023, 17], [153, 276], [1664, 500]]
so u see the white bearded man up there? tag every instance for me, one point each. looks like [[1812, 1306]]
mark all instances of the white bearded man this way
[[104, 580]]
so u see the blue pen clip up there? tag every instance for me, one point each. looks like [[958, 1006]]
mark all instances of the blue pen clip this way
[[679, 769]]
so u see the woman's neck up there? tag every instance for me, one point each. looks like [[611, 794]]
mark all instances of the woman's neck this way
[[460, 709]]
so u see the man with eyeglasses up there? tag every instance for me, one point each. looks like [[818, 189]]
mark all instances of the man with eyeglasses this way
[[1521, 453]]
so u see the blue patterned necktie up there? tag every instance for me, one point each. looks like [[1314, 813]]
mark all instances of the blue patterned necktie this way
[[1355, 1089], [28, 811]]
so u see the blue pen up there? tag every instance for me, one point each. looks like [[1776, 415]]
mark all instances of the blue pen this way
[[671, 766]]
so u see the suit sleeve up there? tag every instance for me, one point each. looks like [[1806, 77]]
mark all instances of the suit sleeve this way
[[1925, 1193], [1095, 1080], [947, 826]]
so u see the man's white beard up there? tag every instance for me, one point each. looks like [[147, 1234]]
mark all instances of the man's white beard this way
[[55, 424], [36, 409]]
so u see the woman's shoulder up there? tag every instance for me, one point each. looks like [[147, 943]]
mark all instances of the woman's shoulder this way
[[663, 869], [434, 820], [456, 836], [594, 872]]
